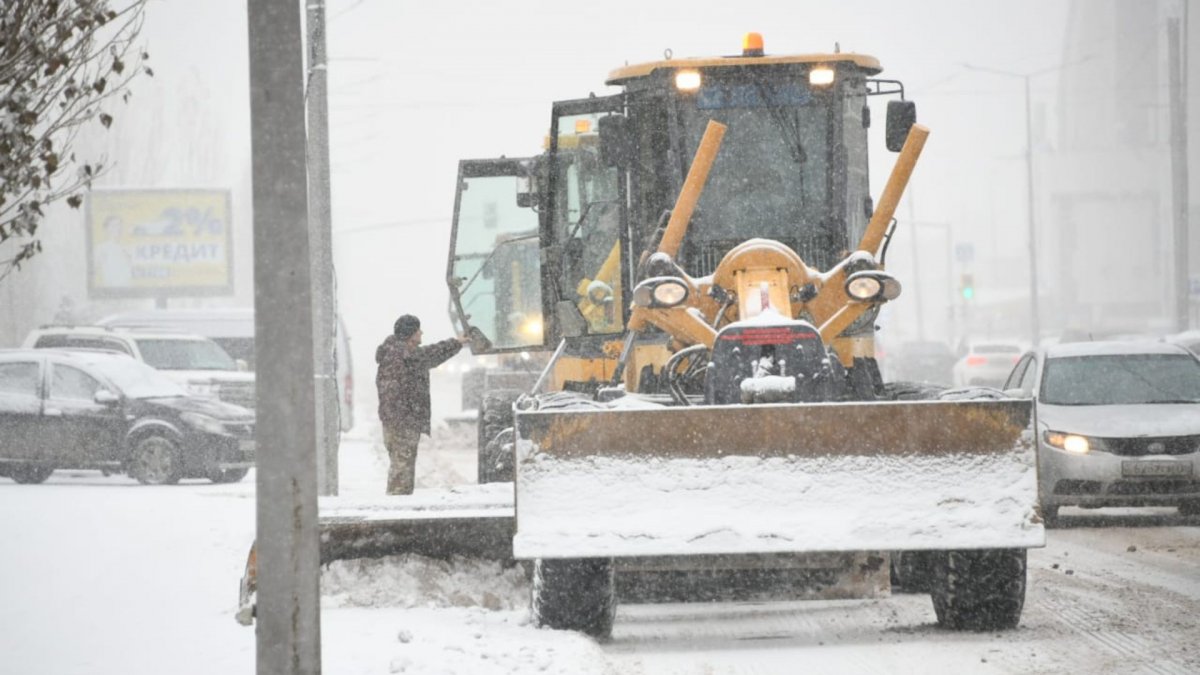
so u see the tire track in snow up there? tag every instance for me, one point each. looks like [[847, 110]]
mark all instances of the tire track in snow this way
[[1083, 619]]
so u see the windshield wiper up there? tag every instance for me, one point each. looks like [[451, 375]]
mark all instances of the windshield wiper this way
[[1173, 400]]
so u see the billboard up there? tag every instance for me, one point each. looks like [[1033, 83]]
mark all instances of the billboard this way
[[159, 243]]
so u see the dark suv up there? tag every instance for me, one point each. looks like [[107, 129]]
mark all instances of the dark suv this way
[[98, 410]]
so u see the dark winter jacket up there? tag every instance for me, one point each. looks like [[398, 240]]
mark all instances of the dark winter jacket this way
[[403, 381]]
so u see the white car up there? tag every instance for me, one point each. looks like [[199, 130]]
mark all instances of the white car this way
[[986, 364], [233, 329], [194, 361], [1117, 423]]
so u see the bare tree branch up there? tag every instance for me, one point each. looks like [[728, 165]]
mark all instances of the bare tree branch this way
[[63, 64]]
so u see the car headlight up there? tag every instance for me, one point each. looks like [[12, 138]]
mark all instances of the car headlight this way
[[203, 422], [1072, 443]]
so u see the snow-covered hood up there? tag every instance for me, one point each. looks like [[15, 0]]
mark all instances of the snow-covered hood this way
[[219, 376], [1122, 421]]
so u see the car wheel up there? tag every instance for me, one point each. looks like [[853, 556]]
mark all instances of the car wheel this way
[[155, 461], [1190, 508], [228, 475], [30, 474]]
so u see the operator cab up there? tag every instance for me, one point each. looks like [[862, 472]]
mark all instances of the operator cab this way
[[792, 168]]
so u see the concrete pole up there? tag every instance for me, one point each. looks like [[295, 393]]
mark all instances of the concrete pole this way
[[1035, 328], [319, 227], [1179, 176], [288, 626]]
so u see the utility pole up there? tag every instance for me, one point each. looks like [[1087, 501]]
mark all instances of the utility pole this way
[[319, 227], [1035, 328], [1179, 175], [288, 633]]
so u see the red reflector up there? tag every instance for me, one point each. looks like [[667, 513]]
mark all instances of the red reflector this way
[[976, 360]]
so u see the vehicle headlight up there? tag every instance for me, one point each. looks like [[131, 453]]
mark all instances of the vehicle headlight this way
[[669, 294], [660, 292], [863, 288], [821, 76], [1072, 443], [203, 422], [687, 80]]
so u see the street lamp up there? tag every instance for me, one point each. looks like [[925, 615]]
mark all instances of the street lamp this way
[[1034, 314]]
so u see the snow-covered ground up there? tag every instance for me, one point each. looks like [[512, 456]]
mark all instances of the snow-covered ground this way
[[101, 575]]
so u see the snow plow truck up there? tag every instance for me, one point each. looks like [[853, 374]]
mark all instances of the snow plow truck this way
[[710, 265]]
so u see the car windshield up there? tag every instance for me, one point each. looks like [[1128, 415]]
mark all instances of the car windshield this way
[[168, 354], [1121, 379], [137, 380]]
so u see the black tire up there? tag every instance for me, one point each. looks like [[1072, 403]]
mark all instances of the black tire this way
[[1190, 508], [495, 415], [30, 474], [155, 460], [575, 595], [979, 590], [227, 475]]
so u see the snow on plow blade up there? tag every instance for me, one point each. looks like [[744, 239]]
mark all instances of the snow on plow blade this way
[[469, 521], [928, 475]]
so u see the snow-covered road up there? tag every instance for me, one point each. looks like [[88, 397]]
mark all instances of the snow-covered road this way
[[100, 575]]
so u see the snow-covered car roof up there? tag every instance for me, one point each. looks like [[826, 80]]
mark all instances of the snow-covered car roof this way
[[1111, 348], [158, 333]]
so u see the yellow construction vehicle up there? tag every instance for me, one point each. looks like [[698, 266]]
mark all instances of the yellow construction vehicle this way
[[710, 266]]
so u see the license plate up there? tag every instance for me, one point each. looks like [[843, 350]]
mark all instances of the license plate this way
[[1152, 467]]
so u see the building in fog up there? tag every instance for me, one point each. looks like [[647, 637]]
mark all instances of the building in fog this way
[[1104, 185]]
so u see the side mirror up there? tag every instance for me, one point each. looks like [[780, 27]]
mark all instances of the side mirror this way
[[901, 115], [616, 145], [526, 192], [242, 365], [106, 397]]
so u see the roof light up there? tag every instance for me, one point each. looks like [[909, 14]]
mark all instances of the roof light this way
[[752, 44], [687, 80], [821, 76]]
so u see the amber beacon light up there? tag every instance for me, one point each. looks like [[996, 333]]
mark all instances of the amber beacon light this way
[[752, 44]]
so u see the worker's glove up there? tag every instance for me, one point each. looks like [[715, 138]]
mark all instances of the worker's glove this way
[[478, 341]]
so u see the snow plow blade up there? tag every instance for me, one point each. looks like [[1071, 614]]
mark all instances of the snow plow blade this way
[[753, 479]]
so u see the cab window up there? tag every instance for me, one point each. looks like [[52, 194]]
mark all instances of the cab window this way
[[496, 262], [587, 222]]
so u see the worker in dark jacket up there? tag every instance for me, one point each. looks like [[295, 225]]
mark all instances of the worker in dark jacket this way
[[403, 383]]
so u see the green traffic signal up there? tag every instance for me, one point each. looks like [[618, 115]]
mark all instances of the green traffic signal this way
[[966, 285], [968, 292]]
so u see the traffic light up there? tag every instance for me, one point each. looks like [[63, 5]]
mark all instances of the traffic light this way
[[966, 286]]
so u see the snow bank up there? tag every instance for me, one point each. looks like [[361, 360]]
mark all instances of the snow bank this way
[[417, 581]]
